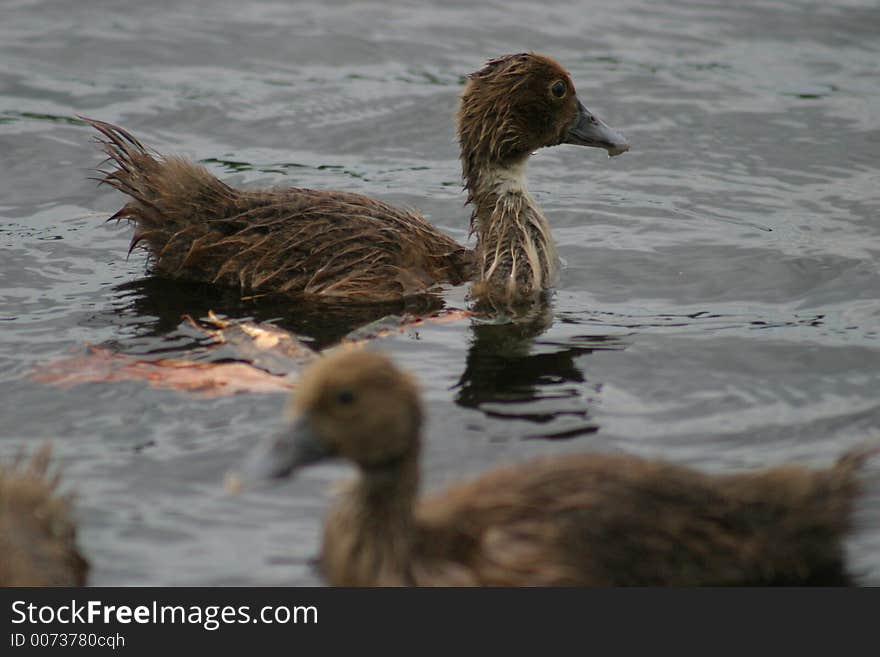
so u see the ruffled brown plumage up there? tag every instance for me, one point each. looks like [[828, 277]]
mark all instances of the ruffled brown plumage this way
[[584, 520], [37, 532], [316, 242], [343, 245]]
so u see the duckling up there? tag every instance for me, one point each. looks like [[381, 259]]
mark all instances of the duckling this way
[[37, 534], [336, 244], [586, 520]]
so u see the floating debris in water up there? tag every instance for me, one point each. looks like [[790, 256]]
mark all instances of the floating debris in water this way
[[99, 364]]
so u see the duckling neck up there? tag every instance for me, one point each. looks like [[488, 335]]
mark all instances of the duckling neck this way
[[515, 253], [370, 538]]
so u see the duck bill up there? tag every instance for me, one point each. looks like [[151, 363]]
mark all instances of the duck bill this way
[[293, 447], [587, 129]]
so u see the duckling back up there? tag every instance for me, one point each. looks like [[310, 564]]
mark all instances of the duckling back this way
[[291, 240], [37, 533], [615, 520]]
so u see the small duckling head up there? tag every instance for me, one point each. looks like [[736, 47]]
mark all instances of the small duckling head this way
[[519, 103], [353, 404]]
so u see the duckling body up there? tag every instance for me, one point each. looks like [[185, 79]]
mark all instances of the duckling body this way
[[315, 242], [584, 520], [37, 534], [343, 245], [599, 520]]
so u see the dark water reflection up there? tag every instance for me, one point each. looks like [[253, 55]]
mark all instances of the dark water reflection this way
[[156, 306], [718, 303], [508, 376]]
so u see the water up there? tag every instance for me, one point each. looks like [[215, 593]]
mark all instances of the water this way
[[718, 305]]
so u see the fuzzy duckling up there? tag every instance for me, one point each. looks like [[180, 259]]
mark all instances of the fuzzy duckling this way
[[342, 245], [588, 520], [37, 534]]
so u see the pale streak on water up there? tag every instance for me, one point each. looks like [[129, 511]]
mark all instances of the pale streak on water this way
[[719, 302]]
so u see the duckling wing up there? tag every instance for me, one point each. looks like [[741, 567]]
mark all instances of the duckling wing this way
[[513, 526], [293, 240], [317, 243]]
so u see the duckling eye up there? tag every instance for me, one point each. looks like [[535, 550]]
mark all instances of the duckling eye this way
[[558, 89], [345, 397]]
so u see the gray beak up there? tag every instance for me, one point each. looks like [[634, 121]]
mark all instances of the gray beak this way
[[294, 446], [587, 129]]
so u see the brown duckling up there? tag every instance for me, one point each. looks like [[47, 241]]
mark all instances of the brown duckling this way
[[37, 533], [591, 519], [343, 245]]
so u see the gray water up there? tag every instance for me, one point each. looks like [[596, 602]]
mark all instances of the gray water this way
[[718, 304]]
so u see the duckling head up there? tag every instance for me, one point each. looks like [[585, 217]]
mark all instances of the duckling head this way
[[519, 103], [354, 404]]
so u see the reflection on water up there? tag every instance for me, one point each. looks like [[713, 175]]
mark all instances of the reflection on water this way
[[157, 306], [507, 376]]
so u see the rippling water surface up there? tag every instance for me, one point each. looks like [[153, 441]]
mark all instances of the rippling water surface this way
[[718, 304]]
